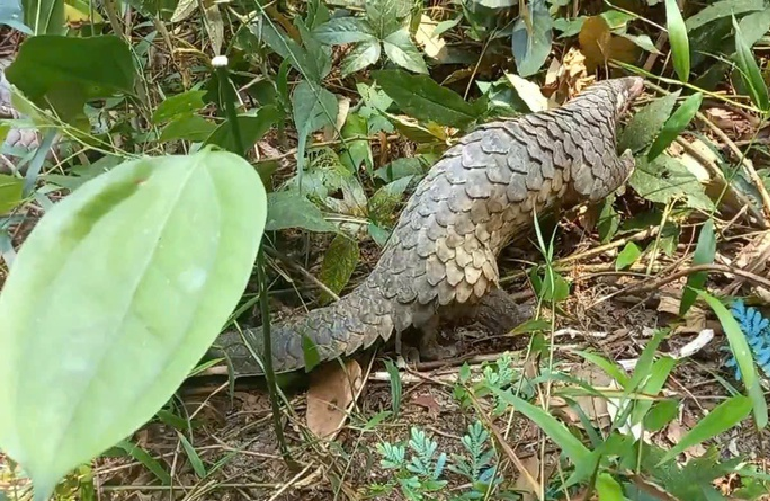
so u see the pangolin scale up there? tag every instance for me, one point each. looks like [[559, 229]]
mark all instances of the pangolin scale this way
[[441, 257]]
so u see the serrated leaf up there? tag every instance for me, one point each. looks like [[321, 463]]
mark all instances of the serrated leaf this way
[[424, 99], [110, 337], [341, 30], [339, 262], [399, 48], [646, 123], [314, 107], [627, 256], [749, 71], [185, 103], [289, 209], [253, 127], [680, 44], [531, 40], [723, 8], [362, 55], [191, 128], [11, 192], [676, 123], [705, 251], [665, 178], [385, 16]]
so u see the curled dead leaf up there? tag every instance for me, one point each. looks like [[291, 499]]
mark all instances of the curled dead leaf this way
[[329, 395]]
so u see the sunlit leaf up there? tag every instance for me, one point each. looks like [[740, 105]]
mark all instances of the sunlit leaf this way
[[680, 44]]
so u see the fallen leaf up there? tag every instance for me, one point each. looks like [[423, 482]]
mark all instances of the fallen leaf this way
[[330, 393], [433, 45], [523, 486], [529, 92], [599, 45], [429, 402]]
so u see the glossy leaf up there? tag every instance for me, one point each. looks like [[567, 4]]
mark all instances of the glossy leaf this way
[[680, 44], [114, 297], [676, 123], [749, 71], [342, 30], [531, 39], [424, 99], [399, 48], [705, 251], [363, 55]]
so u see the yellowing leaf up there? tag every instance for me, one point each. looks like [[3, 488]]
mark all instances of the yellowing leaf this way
[[433, 45], [599, 45], [529, 92]]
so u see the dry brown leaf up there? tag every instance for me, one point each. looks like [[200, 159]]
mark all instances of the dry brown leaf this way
[[433, 45], [429, 402], [329, 395], [523, 486], [599, 45]]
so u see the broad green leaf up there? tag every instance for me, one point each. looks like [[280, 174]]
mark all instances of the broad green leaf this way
[[424, 99], [740, 349], [627, 256], [362, 55], [183, 104], [385, 16], [402, 167], [608, 488], [568, 27], [680, 44], [646, 123], [314, 107], [723, 8], [11, 192], [749, 71], [341, 30], [190, 127], [253, 127], [555, 430], [289, 209], [399, 48], [338, 265], [676, 123], [44, 17], [53, 68], [115, 296], [723, 417], [531, 40], [660, 415], [665, 178], [705, 250]]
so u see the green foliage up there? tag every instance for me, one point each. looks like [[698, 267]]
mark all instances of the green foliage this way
[[338, 264], [532, 37], [383, 28], [63, 314]]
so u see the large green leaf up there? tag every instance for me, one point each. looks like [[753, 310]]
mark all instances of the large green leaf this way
[[289, 209], [252, 128], [400, 49], [676, 123], [646, 123], [362, 55], [341, 30], [723, 8], [114, 297], [179, 105], [62, 70], [423, 98], [665, 178], [531, 39]]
